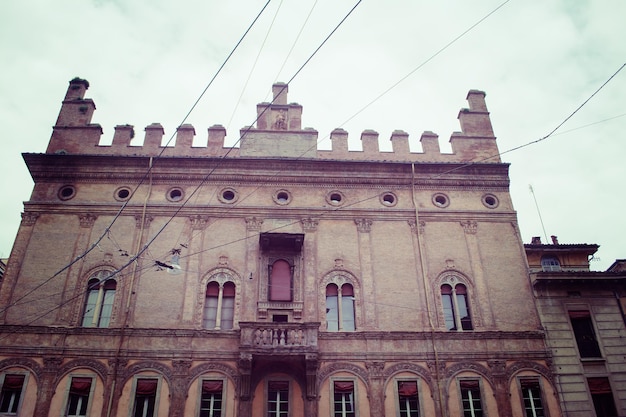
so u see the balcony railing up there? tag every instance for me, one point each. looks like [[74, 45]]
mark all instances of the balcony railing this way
[[257, 335]]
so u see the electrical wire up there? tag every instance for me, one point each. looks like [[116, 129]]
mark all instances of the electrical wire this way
[[119, 212]]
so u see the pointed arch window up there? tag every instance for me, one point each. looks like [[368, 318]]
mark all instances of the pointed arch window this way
[[340, 308], [99, 301], [456, 310], [219, 306]]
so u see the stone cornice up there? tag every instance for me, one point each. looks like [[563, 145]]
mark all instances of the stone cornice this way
[[110, 168]]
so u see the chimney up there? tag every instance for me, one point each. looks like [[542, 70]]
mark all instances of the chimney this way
[[280, 93], [536, 240], [555, 241]]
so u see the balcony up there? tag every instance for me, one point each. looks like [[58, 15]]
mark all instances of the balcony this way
[[278, 338]]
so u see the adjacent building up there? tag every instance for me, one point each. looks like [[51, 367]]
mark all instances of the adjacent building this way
[[270, 279], [582, 312]]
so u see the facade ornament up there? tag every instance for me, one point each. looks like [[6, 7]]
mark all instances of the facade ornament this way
[[87, 220], [146, 221], [309, 224], [470, 227], [338, 263], [198, 222], [450, 264], [222, 261], [253, 224], [280, 120], [181, 366], [375, 369], [413, 224], [29, 219], [363, 225]]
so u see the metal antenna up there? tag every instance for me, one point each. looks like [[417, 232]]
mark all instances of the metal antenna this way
[[530, 187]]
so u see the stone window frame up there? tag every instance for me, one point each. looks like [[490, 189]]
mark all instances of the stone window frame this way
[[224, 380], [82, 301], [68, 385], [340, 277], [26, 375], [452, 278], [220, 275]]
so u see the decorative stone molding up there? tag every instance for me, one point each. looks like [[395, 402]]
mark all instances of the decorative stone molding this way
[[469, 366], [253, 224], [497, 366], [414, 229], [181, 366], [342, 367], [470, 227], [309, 224], [98, 367], [375, 369], [29, 219], [146, 221], [529, 366], [148, 366], [25, 363], [199, 222], [87, 220], [363, 225], [52, 363]]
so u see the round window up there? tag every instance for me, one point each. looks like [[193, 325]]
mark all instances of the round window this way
[[175, 194], [441, 200], [122, 194], [228, 195], [282, 197], [388, 199], [67, 192], [335, 198], [490, 201]]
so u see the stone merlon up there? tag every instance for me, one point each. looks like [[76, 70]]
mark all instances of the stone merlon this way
[[278, 133]]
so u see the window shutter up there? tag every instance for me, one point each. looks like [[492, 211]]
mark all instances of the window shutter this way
[[344, 386], [146, 386], [229, 290], [280, 281], [80, 386], [212, 387], [407, 389], [13, 382]]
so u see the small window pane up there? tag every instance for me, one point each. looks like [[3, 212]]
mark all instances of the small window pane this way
[[107, 308], [332, 309], [347, 309], [228, 313]]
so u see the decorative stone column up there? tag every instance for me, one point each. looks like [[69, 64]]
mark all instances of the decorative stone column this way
[[51, 367], [178, 393], [310, 403], [245, 399], [370, 314], [376, 388], [500, 387], [113, 386]]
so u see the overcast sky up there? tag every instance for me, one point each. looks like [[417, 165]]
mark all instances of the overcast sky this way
[[149, 60]]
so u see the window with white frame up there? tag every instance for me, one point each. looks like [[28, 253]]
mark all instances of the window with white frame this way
[[343, 399], [340, 308], [211, 398], [145, 397], [456, 310], [408, 399], [219, 306], [550, 264], [278, 398], [471, 398], [531, 396], [99, 301], [11, 393], [78, 397]]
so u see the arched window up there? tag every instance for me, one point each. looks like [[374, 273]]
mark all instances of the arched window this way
[[456, 310], [219, 306], [340, 308], [550, 263], [99, 300], [280, 281]]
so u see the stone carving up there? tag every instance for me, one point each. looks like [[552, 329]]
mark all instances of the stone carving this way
[[29, 219], [469, 366], [280, 120], [341, 367], [413, 224], [98, 367], [470, 227], [375, 369], [253, 224], [309, 224], [532, 366], [198, 222], [363, 225], [87, 220], [146, 221]]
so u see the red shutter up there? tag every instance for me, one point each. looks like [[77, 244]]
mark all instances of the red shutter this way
[[344, 386], [347, 290], [332, 290], [13, 382], [229, 290], [407, 388], [280, 281], [146, 386], [599, 385], [213, 289], [80, 386], [211, 387]]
